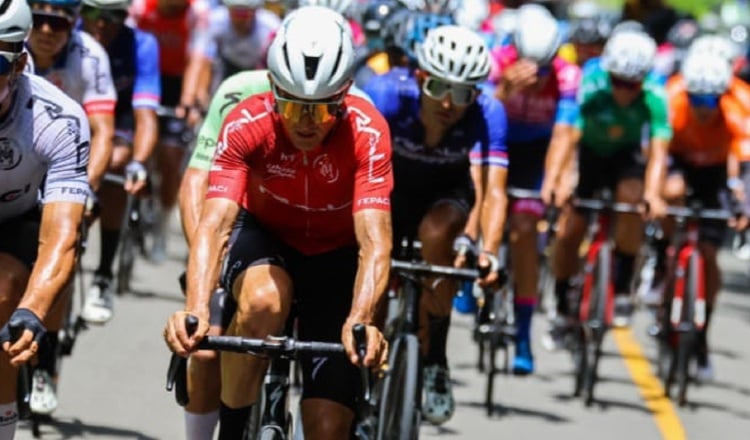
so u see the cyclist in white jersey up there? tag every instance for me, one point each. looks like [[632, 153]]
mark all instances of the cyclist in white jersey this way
[[75, 62], [44, 151], [237, 38]]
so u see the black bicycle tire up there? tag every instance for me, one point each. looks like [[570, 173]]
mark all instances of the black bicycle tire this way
[[401, 385], [687, 340], [253, 426], [126, 262], [491, 371], [595, 336], [579, 360]]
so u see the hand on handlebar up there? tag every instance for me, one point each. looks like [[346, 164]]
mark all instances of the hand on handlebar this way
[[178, 337], [489, 268], [466, 250], [21, 335], [135, 177], [656, 207], [377, 346]]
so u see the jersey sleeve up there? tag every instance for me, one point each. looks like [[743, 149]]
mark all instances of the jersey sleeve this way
[[99, 94], [65, 144], [373, 180], [228, 176], [656, 101], [491, 149], [147, 87], [568, 79]]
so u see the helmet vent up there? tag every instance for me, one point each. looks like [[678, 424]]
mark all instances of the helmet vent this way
[[311, 66], [4, 6]]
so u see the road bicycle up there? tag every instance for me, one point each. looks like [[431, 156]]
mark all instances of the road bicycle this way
[[274, 421], [593, 293], [683, 313], [137, 225], [401, 395]]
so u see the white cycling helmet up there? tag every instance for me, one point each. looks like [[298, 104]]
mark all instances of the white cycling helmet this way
[[472, 13], [112, 5], [15, 21], [537, 35], [455, 54], [253, 4], [715, 44], [340, 6], [706, 74], [505, 22], [629, 55], [312, 54]]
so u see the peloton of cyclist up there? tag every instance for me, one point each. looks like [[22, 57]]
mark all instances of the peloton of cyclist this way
[[538, 89], [44, 141], [616, 101], [448, 140], [306, 172], [134, 58]]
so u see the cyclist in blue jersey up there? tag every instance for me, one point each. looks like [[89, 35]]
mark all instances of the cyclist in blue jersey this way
[[538, 89], [134, 60], [449, 164]]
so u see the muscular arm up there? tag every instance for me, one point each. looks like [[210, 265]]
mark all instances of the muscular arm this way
[[479, 179], [559, 155], [146, 134], [58, 233], [102, 132], [209, 241], [374, 235], [656, 167], [494, 207], [192, 191]]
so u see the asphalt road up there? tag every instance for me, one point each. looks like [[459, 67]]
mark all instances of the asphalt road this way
[[113, 385]]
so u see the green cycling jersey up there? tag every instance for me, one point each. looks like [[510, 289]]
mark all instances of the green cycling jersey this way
[[230, 93], [607, 127]]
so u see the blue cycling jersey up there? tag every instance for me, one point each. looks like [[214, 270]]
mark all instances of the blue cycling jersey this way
[[478, 138], [134, 57]]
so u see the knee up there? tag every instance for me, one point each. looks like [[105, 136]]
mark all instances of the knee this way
[[523, 228], [629, 191], [674, 188], [13, 279], [441, 224], [259, 310], [120, 158]]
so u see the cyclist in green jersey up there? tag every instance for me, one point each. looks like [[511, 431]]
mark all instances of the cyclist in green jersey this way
[[202, 411], [619, 105]]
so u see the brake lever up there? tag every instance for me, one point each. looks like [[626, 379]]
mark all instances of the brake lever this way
[[23, 391], [177, 371]]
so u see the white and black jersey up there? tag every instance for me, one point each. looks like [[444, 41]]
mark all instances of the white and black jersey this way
[[44, 148]]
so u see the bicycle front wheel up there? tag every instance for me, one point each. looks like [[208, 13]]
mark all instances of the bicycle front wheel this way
[[399, 404]]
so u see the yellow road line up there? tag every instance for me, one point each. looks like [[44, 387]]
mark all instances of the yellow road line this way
[[650, 386]]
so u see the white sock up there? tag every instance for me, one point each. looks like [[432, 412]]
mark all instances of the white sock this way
[[198, 426], [8, 420]]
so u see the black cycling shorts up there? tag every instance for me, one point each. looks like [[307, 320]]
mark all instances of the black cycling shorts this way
[[173, 131], [408, 207], [21, 237], [323, 286], [708, 186], [597, 172]]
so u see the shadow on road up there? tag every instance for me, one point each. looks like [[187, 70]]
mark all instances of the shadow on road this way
[[603, 403], [501, 411], [76, 428]]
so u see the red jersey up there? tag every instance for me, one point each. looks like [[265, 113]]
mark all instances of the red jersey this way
[[307, 198], [174, 34]]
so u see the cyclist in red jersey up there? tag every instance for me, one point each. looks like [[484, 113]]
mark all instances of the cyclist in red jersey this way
[[299, 192], [174, 23]]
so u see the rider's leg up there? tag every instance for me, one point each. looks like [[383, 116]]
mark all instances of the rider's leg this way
[[437, 231], [565, 263], [14, 276], [525, 266], [331, 385], [204, 391], [628, 238]]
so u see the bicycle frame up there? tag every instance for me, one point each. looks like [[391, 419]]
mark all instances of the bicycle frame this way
[[587, 314], [687, 250]]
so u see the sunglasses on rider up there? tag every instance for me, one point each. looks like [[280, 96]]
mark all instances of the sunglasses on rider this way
[[461, 95], [6, 61], [56, 22], [624, 84], [704, 101], [108, 15], [293, 110]]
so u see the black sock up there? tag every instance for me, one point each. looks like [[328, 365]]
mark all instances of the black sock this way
[[232, 421], [47, 353], [702, 346], [110, 240], [438, 340], [561, 293], [623, 272]]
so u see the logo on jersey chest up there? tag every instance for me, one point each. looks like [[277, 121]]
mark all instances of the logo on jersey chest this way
[[14, 194], [326, 170], [10, 154]]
